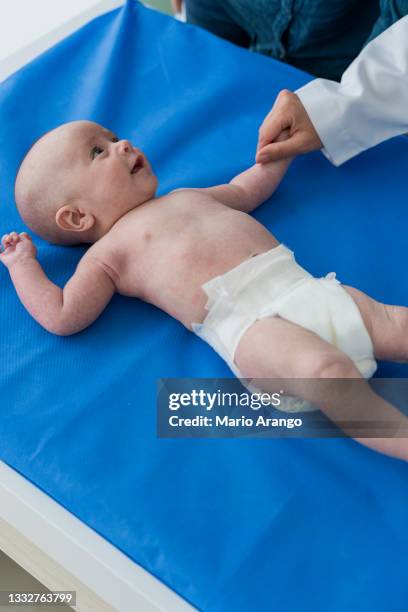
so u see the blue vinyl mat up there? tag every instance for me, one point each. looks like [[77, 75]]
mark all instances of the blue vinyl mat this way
[[230, 525]]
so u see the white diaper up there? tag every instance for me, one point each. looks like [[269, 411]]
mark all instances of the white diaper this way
[[273, 284]]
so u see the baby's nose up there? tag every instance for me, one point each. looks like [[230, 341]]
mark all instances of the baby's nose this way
[[125, 146]]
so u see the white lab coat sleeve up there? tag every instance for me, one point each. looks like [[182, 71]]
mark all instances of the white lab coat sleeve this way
[[370, 104]]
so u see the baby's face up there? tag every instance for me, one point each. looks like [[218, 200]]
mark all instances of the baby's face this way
[[110, 176]]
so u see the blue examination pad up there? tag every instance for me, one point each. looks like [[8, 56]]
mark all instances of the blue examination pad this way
[[228, 524]]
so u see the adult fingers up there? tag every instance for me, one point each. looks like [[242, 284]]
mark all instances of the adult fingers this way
[[280, 150], [272, 128], [277, 120]]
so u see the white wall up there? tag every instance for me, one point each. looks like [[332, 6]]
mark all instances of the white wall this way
[[23, 21], [29, 27]]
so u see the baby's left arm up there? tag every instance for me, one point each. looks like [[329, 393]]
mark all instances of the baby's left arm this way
[[252, 187]]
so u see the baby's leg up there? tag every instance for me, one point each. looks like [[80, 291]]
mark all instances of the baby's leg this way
[[274, 348], [387, 326]]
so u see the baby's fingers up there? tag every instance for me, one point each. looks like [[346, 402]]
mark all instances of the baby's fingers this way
[[10, 240], [25, 236], [14, 238], [6, 241]]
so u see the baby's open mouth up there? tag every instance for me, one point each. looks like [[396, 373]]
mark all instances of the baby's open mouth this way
[[138, 165]]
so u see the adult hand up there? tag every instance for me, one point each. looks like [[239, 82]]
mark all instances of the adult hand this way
[[288, 113], [176, 5]]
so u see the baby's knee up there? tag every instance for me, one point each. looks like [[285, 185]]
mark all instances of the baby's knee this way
[[329, 365]]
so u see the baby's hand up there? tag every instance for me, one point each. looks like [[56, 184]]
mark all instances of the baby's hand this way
[[17, 248]]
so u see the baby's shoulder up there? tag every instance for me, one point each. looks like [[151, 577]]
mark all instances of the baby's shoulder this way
[[102, 254], [183, 191], [195, 193], [102, 250]]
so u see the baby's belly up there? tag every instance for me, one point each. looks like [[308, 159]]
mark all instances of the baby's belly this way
[[175, 285]]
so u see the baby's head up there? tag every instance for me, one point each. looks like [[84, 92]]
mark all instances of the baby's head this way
[[78, 180]]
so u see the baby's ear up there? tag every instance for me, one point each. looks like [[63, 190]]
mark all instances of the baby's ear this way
[[70, 218]]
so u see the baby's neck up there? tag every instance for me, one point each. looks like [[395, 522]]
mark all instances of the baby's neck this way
[[102, 228]]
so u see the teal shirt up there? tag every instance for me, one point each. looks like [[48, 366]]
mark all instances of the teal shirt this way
[[319, 36]]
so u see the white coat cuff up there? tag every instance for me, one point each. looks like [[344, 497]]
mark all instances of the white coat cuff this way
[[322, 102]]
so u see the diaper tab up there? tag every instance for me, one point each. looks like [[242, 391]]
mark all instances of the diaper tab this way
[[331, 276], [214, 290], [235, 281]]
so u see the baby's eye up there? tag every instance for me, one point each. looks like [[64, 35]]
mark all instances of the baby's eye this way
[[115, 139], [96, 151]]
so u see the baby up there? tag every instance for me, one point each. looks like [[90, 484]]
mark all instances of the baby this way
[[198, 255]]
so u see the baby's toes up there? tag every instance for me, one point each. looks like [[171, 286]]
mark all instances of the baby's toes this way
[[14, 237], [25, 236]]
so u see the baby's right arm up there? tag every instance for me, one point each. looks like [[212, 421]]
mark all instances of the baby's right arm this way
[[61, 311]]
